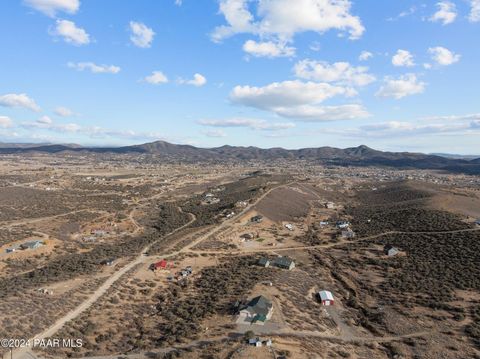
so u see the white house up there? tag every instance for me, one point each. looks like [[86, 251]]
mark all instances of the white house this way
[[326, 297]]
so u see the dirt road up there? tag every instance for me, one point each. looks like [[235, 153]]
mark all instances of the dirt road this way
[[141, 258]]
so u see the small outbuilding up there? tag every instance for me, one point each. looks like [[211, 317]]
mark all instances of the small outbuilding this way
[[326, 297]]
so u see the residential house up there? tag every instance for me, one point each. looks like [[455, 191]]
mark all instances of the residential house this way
[[108, 262], [329, 205], [255, 342], [343, 224], [326, 297], [284, 263], [348, 234], [257, 311], [256, 219], [390, 250], [289, 226], [31, 245], [323, 224], [163, 264], [263, 262], [246, 237]]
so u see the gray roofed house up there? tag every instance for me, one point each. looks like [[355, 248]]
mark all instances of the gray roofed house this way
[[31, 245], [263, 262], [284, 263], [256, 219], [390, 250], [257, 310]]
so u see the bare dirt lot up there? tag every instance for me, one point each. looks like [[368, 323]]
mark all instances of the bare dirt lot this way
[[286, 203]]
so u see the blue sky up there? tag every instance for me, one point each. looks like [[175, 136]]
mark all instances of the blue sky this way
[[395, 75]]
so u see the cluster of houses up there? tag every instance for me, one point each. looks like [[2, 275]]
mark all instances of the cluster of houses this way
[[289, 226], [279, 262], [25, 246], [95, 233]]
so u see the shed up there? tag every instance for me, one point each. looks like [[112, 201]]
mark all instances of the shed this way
[[326, 297]]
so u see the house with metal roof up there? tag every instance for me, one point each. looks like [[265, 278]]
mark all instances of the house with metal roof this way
[[390, 250], [31, 245], [284, 263], [263, 262], [257, 311]]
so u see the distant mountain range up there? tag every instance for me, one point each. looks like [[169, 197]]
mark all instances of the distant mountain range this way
[[354, 156]]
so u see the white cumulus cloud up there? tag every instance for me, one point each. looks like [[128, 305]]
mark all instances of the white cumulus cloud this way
[[341, 72], [70, 33], [443, 56], [299, 100], [365, 55], [94, 68], [268, 49], [198, 80], [405, 85], [156, 78], [277, 19], [446, 13], [18, 100], [51, 7], [403, 58], [142, 35], [474, 15]]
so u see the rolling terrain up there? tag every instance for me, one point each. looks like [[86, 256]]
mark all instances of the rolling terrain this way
[[355, 156]]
